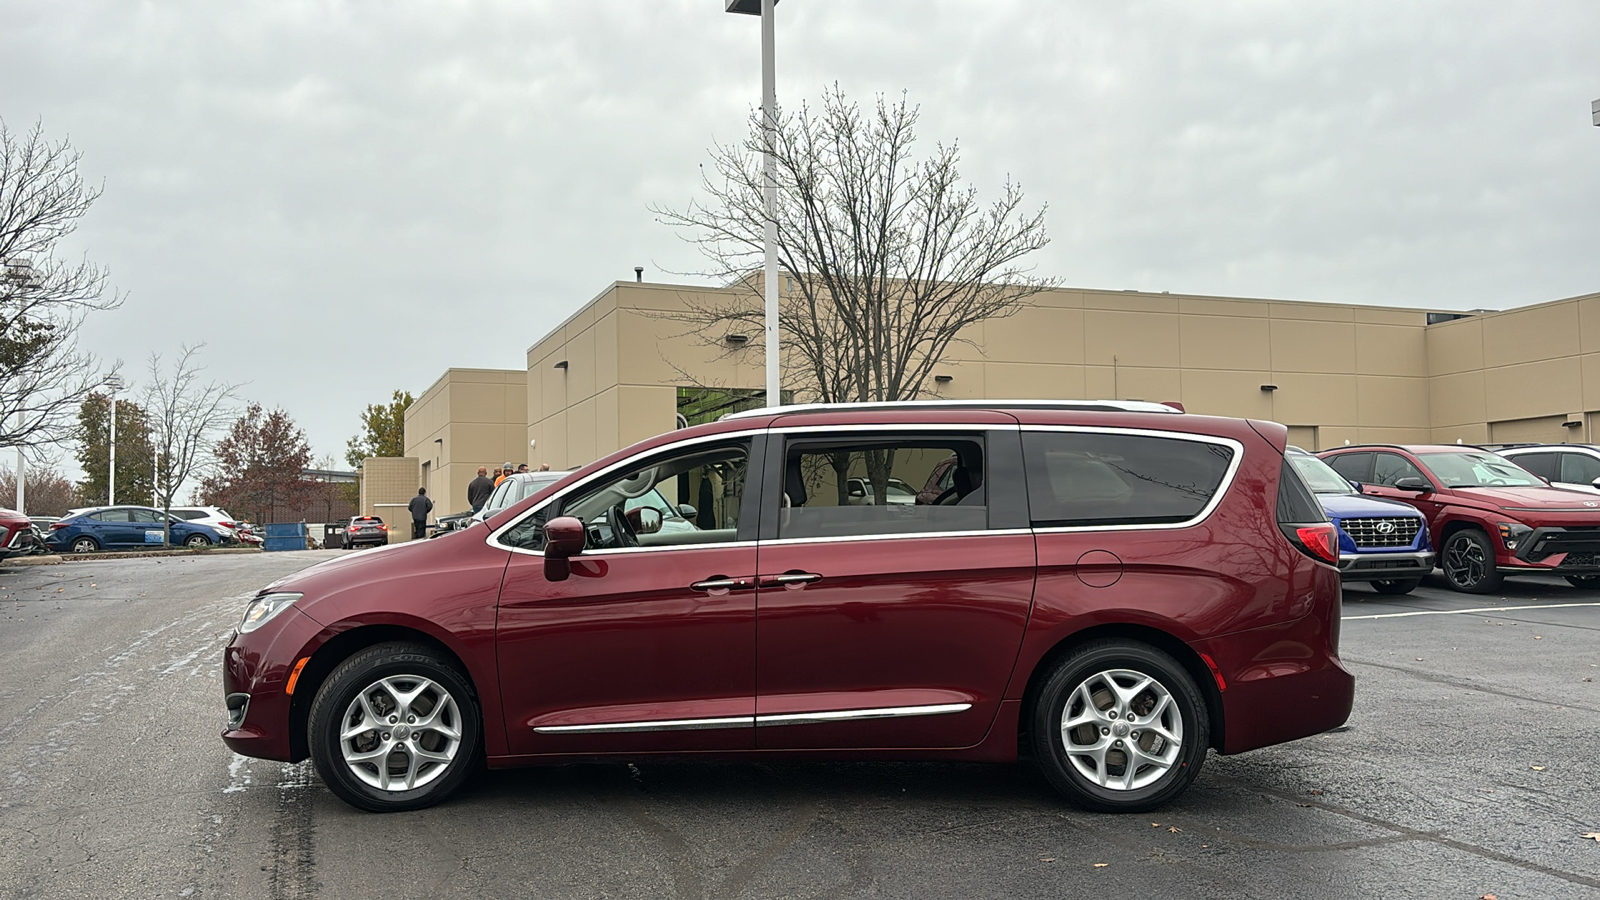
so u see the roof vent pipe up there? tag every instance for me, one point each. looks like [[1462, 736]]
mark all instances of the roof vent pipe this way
[[638, 273]]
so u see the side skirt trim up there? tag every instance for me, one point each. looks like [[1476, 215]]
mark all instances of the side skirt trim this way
[[811, 718]]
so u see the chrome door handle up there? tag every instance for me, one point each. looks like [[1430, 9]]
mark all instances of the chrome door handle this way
[[791, 578], [720, 584]]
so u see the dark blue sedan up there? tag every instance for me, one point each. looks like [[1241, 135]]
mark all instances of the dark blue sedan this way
[[127, 528]]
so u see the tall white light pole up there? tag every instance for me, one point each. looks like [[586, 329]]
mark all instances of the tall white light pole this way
[[22, 470], [769, 189], [113, 384]]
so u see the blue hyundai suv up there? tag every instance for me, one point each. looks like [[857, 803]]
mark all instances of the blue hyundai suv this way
[[1384, 542]]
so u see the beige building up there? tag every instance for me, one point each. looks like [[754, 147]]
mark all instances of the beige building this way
[[620, 370]]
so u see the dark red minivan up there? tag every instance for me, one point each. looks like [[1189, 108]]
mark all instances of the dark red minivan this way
[[1111, 588]]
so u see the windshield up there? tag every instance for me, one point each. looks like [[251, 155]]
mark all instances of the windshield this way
[[1478, 469], [1319, 476]]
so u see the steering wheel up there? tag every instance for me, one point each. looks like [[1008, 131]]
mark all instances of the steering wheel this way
[[621, 529]]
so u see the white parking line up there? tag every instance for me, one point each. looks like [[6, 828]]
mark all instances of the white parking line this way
[[1466, 612]]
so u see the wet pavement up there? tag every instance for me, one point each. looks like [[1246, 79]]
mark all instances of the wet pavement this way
[[1470, 766]]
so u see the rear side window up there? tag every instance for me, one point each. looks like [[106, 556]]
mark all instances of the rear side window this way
[[1353, 466], [1578, 468], [1078, 479], [1389, 468], [869, 486], [1540, 464]]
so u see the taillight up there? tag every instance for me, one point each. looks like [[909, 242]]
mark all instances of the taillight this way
[[383, 528], [55, 525], [1319, 542], [226, 524], [355, 528]]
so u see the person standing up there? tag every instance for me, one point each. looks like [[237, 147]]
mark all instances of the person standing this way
[[420, 506], [505, 471], [522, 468], [479, 490]]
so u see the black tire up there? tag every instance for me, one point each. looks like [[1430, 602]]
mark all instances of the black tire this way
[[1468, 563], [363, 674], [85, 545], [197, 542], [1584, 581], [1060, 694], [1396, 585]]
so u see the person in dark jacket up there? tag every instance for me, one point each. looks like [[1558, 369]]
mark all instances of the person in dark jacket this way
[[479, 490], [420, 506]]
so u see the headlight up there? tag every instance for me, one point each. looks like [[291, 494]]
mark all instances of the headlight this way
[[1512, 533], [263, 608]]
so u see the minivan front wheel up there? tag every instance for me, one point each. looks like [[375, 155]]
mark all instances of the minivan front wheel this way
[[394, 728], [1120, 726], [1468, 563]]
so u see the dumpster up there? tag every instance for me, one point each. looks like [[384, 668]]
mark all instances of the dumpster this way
[[285, 536]]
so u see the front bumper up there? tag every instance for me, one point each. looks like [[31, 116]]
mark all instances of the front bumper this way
[[1563, 550], [255, 670], [1384, 566]]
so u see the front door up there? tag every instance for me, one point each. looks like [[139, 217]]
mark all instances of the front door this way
[[649, 645], [883, 623]]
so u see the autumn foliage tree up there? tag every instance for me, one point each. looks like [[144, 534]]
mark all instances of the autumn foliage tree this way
[[48, 493], [259, 466], [383, 430]]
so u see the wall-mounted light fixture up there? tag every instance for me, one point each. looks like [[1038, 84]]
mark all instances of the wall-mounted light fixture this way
[[944, 379], [1269, 388], [561, 365], [1571, 424], [736, 340]]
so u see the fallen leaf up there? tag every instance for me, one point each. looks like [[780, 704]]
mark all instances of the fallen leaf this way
[[1537, 768], [1592, 835], [1488, 897], [1047, 859], [1155, 824], [1316, 791], [1538, 637], [1588, 678], [1174, 829], [1101, 865]]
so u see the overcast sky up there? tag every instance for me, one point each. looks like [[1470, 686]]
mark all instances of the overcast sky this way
[[344, 198]]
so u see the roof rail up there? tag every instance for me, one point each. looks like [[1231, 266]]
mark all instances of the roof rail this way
[[1143, 406]]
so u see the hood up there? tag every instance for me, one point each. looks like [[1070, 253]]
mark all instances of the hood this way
[[1348, 506], [1544, 499], [347, 564]]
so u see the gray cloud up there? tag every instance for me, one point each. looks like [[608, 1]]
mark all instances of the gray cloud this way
[[341, 198]]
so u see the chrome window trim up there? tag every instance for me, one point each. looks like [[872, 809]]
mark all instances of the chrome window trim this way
[[810, 718], [493, 538], [1205, 512], [920, 535]]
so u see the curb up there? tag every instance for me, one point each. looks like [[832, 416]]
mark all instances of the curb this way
[[143, 554], [16, 561]]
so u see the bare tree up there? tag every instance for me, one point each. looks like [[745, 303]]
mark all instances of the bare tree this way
[[185, 417], [888, 260], [44, 378]]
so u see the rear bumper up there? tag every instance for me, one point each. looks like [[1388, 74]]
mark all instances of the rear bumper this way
[[1383, 566], [1284, 682]]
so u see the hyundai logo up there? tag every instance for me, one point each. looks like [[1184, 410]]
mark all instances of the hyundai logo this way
[[1386, 528], [1590, 503]]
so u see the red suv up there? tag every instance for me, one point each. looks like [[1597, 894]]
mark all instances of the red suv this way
[[1488, 516], [1111, 588]]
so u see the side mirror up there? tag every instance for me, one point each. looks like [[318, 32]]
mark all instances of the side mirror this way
[[687, 511], [1356, 484], [1413, 483], [857, 490], [1595, 483], [563, 539], [645, 520]]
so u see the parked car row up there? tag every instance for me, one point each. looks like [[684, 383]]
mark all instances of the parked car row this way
[[1489, 516]]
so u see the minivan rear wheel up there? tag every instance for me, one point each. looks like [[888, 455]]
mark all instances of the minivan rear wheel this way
[[1120, 726], [1468, 563]]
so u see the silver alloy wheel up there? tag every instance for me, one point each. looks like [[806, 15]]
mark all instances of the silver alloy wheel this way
[[1464, 561], [400, 733], [84, 545], [198, 540], [1121, 729]]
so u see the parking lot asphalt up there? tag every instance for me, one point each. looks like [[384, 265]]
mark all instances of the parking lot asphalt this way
[[1470, 766]]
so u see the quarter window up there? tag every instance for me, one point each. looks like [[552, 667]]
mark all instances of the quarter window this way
[[1090, 478], [1353, 466], [869, 486]]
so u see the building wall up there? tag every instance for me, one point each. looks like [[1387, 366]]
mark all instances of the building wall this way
[[466, 419], [387, 485], [1342, 373]]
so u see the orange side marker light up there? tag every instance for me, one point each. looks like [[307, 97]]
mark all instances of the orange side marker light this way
[[295, 674]]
